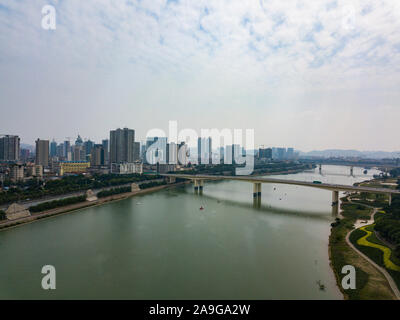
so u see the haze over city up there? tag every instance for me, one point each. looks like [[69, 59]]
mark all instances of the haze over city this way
[[312, 75]]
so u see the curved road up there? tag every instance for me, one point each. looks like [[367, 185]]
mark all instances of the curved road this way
[[388, 277]]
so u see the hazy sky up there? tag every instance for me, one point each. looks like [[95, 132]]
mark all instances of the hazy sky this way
[[306, 74]]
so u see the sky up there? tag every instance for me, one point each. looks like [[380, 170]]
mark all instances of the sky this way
[[303, 74]]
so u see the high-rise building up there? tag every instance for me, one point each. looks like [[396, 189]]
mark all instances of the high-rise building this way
[[204, 150], [53, 148], [78, 141], [156, 150], [78, 153], [232, 154], [60, 151], [88, 145], [97, 155], [265, 153], [122, 145], [281, 153], [42, 153], [136, 151], [172, 153], [106, 145], [67, 148], [24, 155], [9, 148], [290, 153], [148, 158], [183, 154]]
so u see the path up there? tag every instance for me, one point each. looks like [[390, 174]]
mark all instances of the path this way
[[388, 277]]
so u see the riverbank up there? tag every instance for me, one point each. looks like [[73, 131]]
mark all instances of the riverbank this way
[[78, 206], [371, 284]]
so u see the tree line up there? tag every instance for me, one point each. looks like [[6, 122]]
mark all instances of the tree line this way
[[388, 225], [57, 203], [34, 189]]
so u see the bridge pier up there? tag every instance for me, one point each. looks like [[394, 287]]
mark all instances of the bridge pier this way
[[335, 203], [335, 197], [390, 199], [256, 190], [196, 185], [351, 171], [171, 180], [257, 202]]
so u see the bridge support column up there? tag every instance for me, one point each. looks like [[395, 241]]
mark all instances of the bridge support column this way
[[196, 185], [171, 180], [201, 185], [335, 203], [256, 190], [390, 199], [351, 171], [335, 197]]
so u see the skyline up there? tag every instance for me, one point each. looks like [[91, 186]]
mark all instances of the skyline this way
[[309, 75]]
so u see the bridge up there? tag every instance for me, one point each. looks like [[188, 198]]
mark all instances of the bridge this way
[[257, 181]]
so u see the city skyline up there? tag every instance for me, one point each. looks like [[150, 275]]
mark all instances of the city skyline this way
[[308, 75]]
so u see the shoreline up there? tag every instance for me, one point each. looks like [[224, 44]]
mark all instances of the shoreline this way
[[7, 225], [341, 252]]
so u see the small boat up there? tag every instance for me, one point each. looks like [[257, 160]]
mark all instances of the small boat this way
[[321, 286], [201, 208]]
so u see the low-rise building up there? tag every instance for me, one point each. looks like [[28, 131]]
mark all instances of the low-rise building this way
[[17, 172], [34, 170], [127, 168], [73, 167]]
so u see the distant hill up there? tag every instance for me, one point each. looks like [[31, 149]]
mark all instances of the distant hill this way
[[351, 153]]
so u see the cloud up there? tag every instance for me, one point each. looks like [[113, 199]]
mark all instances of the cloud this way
[[266, 57]]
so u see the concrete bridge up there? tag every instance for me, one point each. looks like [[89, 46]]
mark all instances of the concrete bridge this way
[[257, 181]]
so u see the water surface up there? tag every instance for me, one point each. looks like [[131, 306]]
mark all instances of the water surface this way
[[161, 246]]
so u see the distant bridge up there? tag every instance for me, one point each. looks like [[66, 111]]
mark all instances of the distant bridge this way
[[257, 181]]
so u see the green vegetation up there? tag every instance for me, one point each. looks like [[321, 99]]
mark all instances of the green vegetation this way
[[395, 172], [57, 203], [342, 254], [365, 240], [34, 189], [113, 191], [152, 184], [388, 224]]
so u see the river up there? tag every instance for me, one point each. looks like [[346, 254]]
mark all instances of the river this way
[[161, 246]]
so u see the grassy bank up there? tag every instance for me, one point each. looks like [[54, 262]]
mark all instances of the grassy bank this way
[[365, 240], [370, 283]]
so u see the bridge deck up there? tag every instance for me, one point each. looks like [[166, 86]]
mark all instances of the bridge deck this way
[[328, 186]]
